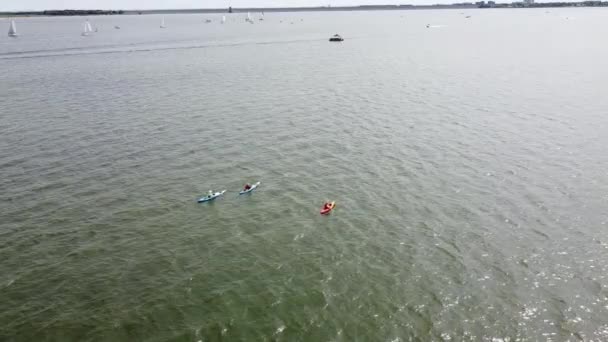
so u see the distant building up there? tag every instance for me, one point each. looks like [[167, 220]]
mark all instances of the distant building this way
[[528, 2], [491, 3], [480, 3], [230, 9]]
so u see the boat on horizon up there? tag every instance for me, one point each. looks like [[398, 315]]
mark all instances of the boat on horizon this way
[[162, 23], [87, 29], [12, 29]]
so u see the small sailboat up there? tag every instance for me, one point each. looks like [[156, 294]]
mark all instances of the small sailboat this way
[[162, 23], [87, 29], [12, 29], [249, 19], [223, 19]]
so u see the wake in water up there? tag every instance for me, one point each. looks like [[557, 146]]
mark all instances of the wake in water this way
[[131, 48]]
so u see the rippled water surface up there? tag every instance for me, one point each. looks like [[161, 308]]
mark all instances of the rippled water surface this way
[[468, 161]]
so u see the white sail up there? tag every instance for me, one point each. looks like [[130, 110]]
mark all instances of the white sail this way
[[162, 23], [223, 19], [86, 29], [12, 29], [249, 17]]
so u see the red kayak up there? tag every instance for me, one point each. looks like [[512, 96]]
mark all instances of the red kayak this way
[[328, 208]]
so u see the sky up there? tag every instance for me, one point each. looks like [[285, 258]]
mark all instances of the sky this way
[[26, 5]]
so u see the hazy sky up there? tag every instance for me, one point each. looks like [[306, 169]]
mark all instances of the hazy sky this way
[[18, 5]]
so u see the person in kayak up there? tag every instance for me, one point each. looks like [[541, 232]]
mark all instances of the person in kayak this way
[[210, 194], [327, 206], [247, 187]]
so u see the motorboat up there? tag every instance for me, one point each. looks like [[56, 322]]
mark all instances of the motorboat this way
[[336, 38]]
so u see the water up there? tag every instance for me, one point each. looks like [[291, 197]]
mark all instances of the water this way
[[468, 162]]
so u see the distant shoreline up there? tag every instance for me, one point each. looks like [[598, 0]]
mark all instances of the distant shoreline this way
[[481, 4]]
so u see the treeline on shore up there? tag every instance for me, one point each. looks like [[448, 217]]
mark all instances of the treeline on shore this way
[[481, 4], [67, 12], [545, 4]]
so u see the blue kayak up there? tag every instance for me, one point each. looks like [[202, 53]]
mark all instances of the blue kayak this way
[[253, 187], [210, 198]]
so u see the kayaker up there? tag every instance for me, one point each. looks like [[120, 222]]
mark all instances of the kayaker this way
[[210, 194], [327, 206], [247, 187]]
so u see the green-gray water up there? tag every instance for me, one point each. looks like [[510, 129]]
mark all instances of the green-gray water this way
[[468, 161]]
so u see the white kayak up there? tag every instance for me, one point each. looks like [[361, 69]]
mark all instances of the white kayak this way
[[253, 187], [210, 197]]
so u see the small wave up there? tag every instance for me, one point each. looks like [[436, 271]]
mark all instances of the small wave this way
[[279, 330]]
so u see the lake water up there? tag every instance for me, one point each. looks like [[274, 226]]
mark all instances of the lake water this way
[[468, 161]]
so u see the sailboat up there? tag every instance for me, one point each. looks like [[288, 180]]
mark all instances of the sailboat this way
[[162, 23], [12, 29], [223, 19], [87, 29], [249, 19]]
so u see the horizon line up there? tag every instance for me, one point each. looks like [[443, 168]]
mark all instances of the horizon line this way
[[277, 8], [239, 9]]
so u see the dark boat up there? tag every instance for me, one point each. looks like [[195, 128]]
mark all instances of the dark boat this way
[[336, 38]]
